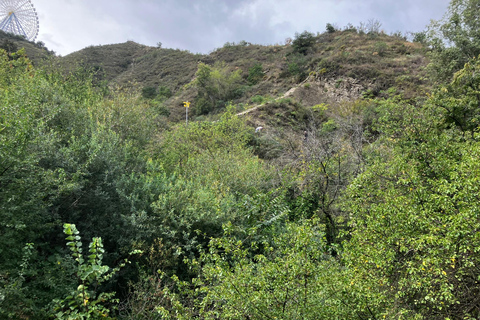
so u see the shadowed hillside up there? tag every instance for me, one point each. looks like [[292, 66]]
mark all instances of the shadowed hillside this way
[[37, 52]]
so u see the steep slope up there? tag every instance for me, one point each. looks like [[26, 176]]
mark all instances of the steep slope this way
[[333, 67], [161, 67], [37, 52], [110, 60]]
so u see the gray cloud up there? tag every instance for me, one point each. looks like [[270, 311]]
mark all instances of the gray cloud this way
[[203, 25]]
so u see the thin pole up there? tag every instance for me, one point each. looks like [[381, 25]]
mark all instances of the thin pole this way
[[186, 105]]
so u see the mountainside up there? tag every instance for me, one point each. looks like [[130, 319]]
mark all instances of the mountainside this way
[[37, 52], [331, 68], [333, 177]]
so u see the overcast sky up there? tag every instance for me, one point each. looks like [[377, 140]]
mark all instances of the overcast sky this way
[[201, 26]]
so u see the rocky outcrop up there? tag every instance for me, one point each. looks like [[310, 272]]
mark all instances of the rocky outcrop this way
[[327, 90]]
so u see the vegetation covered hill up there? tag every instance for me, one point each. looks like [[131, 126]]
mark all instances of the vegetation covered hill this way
[[37, 52], [358, 200], [332, 67]]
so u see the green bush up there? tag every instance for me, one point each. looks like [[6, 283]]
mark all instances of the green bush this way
[[255, 74], [454, 40], [215, 87], [84, 302], [67, 153], [164, 91], [258, 99], [149, 92], [8, 46], [330, 28], [303, 42], [297, 67], [287, 275], [420, 37], [381, 48]]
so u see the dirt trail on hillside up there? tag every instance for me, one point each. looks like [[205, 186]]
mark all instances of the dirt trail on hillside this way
[[285, 95], [326, 90]]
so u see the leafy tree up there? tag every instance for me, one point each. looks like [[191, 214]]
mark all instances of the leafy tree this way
[[458, 102], [303, 42], [320, 164], [420, 37], [13, 292], [164, 91], [455, 39], [26, 187], [287, 274], [40, 44], [9, 46], [216, 86], [206, 176], [65, 152], [255, 74], [198, 138], [413, 238], [330, 28], [328, 163]]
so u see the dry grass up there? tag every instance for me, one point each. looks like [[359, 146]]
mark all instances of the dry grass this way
[[376, 62]]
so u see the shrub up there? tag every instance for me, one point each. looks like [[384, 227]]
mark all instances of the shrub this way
[[296, 67], [149, 92], [258, 99], [330, 28], [350, 28], [164, 91], [216, 86], [420, 37], [303, 42], [85, 300], [255, 74], [381, 48], [8, 46], [293, 277]]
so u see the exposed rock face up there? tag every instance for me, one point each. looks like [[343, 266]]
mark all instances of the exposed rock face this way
[[314, 91]]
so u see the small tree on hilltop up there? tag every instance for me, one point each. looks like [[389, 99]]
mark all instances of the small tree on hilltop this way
[[303, 42], [330, 28]]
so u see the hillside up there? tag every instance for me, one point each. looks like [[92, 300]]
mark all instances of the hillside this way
[[37, 52], [335, 67], [358, 199]]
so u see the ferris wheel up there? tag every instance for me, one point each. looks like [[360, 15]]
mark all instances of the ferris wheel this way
[[19, 17]]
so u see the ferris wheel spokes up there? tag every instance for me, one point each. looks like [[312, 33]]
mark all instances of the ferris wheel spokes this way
[[19, 17], [12, 25]]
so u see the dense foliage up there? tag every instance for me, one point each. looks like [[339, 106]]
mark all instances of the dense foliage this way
[[216, 86], [454, 39], [366, 209]]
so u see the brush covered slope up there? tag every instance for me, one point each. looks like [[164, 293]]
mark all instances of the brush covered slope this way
[[357, 199], [36, 51], [326, 68]]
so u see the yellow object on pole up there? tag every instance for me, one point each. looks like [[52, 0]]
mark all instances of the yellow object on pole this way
[[186, 104]]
